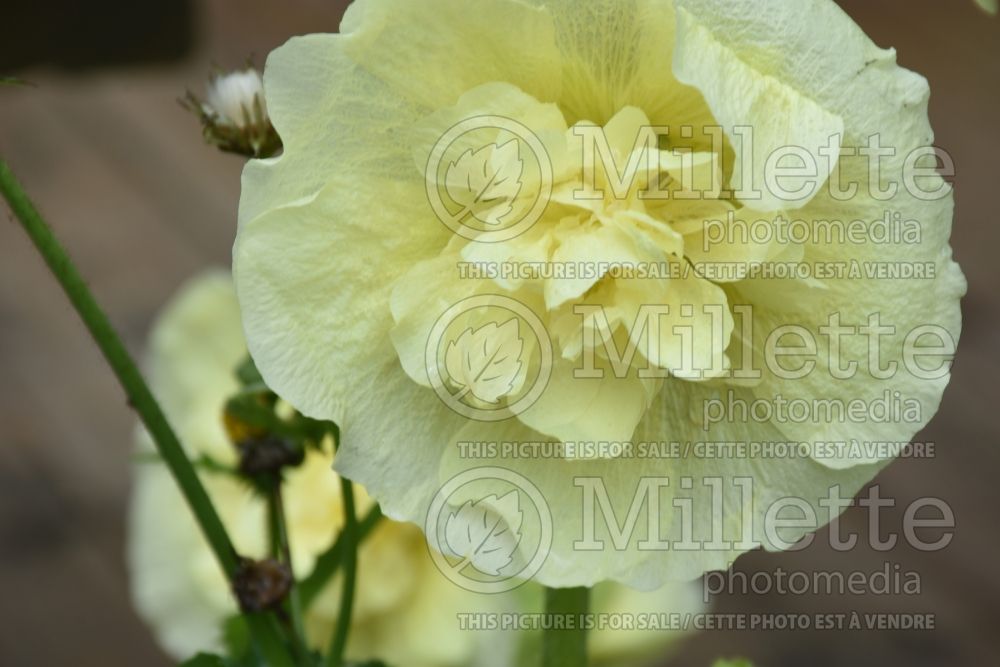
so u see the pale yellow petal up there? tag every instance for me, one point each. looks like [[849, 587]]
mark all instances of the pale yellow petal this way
[[334, 117], [741, 95], [416, 48]]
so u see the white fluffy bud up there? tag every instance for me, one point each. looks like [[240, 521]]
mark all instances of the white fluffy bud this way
[[237, 98]]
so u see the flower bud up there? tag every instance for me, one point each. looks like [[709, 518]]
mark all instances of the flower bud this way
[[234, 115], [237, 98]]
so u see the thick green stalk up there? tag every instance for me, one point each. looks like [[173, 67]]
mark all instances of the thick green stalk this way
[[141, 399], [566, 608], [349, 559]]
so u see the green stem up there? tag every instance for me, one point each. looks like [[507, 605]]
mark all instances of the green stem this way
[[273, 529], [566, 647], [141, 399], [329, 561], [280, 528], [349, 558]]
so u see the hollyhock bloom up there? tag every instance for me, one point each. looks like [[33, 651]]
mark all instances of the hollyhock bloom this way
[[432, 142]]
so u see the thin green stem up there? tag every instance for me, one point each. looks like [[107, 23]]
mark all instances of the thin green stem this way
[[273, 529], [329, 561], [280, 528], [566, 608], [349, 558], [141, 399]]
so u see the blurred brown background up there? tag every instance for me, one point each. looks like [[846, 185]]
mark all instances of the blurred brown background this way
[[122, 174]]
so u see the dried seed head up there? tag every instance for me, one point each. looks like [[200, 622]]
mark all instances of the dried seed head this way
[[268, 454], [261, 585]]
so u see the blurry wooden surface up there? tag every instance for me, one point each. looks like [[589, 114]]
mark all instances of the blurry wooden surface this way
[[142, 204]]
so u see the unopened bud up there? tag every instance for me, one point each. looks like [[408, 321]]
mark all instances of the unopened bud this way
[[234, 115]]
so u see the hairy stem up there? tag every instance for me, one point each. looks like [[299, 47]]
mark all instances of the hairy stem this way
[[141, 399]]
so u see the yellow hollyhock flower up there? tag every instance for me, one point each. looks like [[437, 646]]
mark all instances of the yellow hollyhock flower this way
[[406, 612], [346, 273]]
